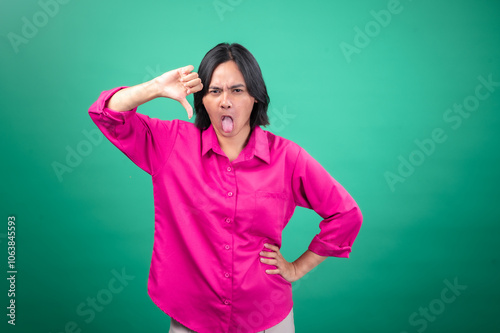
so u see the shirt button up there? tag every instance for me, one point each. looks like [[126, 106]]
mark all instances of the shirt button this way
[[230, 194], [105, 113], [226, 301], [228, 220], [227, 247], [226, 275], [228, 169]]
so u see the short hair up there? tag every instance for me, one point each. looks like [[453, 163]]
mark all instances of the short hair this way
[[252, 74]]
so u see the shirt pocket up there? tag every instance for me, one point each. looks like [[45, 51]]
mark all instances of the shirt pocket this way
[[269, 214]]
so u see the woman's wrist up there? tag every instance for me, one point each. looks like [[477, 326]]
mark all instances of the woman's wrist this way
[[154, 88], [306, 262]]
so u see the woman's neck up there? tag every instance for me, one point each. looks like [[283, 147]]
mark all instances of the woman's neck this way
[[232, 146]]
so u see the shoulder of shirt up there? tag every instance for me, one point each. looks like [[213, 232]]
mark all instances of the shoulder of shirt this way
[[185, 124], [281, 144]]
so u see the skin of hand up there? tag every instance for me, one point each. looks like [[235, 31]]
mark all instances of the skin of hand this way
[[177, 84], [286, 269], [290, 271]]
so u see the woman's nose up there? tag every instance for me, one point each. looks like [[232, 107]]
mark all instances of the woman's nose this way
[[225, 101]]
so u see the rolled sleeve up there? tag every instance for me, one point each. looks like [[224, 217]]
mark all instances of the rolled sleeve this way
[[314, 188], [145, 141]]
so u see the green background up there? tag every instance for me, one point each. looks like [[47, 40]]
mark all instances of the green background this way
[[357, 114]]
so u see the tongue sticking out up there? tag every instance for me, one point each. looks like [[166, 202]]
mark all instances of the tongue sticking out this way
[[227, 124]]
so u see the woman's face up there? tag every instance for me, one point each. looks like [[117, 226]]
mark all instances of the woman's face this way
[[227, 95]]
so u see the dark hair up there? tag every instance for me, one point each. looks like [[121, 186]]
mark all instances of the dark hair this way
[[254, 81]]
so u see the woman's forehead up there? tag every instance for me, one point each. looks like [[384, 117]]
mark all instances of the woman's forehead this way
[[228, 74]]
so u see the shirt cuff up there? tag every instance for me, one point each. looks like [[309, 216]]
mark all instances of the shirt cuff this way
[[118, 116], [326, 249]]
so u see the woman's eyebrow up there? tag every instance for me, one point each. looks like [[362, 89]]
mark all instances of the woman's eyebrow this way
[[239, 85]]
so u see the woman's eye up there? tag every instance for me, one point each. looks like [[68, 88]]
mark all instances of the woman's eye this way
[[214, 91], [238, 90]]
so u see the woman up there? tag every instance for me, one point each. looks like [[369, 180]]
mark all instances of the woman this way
[[224, 189]]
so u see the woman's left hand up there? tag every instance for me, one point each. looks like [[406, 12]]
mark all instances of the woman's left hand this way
[[286, 269]]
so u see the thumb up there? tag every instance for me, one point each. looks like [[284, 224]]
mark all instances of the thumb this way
[[187, 106], [185, 70]]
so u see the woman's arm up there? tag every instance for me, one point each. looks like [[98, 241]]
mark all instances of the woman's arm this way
[[314, 188], [128, 98], [175, 84], [146, 141], [306, 262]]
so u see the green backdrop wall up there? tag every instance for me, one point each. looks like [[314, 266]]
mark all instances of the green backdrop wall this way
[[398, 100]]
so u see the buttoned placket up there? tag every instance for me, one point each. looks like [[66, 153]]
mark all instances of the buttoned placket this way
[[228, 224]]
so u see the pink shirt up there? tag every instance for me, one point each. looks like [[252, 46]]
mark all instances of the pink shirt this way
[[213, 216]]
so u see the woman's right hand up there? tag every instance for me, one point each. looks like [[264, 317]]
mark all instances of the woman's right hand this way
[[177, 84]]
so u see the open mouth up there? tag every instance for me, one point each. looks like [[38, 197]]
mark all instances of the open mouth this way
[[227, 124]]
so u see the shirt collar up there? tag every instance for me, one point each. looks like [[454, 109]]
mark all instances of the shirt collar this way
[[257, 145]]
